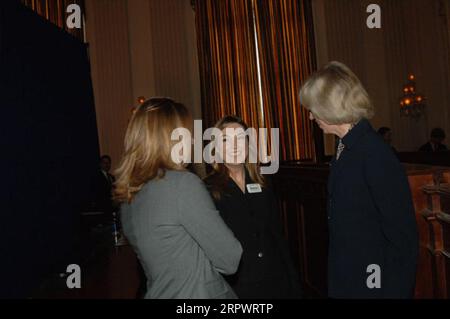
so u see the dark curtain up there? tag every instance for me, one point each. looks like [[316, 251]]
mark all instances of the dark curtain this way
[[228, 32], [286, 49], [227, 58], [48, 137]]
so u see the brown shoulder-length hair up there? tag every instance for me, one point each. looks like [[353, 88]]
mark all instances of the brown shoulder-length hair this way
[[148, 146], [219, 177]]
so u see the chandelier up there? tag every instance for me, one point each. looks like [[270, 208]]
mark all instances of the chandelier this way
[[412, 104]]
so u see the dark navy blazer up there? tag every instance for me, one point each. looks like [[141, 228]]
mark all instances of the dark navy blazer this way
[[371, 220]]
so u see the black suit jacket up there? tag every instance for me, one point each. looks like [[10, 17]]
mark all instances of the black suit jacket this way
[[102, 191], [266, 270], [429, 148], [371, 220]]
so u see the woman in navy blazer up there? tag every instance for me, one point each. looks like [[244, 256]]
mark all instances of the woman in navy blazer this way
[[373, 240]]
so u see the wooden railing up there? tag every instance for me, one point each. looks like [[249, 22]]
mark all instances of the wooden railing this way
[[426, 158], [436, 243]]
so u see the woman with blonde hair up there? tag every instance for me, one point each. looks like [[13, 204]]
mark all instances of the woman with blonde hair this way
[[167, 214], [373, 241], [248, 206]]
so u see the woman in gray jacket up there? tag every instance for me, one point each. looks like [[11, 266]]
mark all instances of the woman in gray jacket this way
[[167, 213]]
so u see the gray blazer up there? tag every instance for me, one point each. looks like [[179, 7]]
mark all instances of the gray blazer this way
[[180, 239]]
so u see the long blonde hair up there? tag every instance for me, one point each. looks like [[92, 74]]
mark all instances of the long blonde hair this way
[[218, 178], [148, 145]]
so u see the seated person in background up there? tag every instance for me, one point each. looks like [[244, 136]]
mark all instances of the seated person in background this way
[[102, 186], [386, 135], [436, 142]]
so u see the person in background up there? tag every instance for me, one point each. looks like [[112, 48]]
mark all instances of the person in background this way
[[167, 213], [102, 186], [386, 134], [435, 144], [247, 204], [373, 239]]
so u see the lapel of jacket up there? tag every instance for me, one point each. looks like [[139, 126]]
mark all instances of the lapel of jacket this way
[[335, 171], [349, 140]]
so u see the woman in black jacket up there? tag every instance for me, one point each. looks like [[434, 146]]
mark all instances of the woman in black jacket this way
[[373, 243], [248, 206]]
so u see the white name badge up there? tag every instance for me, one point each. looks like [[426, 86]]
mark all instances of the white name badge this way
[[254, 188]]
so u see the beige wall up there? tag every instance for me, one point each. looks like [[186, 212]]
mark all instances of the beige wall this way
[[414, 38], [139, 48]]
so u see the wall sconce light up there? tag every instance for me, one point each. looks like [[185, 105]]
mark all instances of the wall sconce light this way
[[141, 99], [411, 103]]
